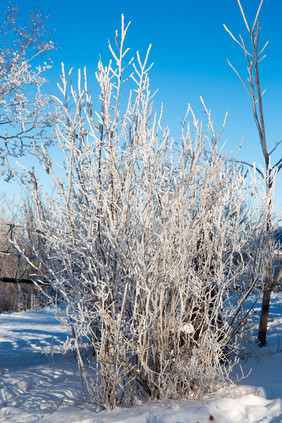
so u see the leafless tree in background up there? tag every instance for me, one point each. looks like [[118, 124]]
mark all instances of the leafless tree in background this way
[[25, 116], [254, 55]]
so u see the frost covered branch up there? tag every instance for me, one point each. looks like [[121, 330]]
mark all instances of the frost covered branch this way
[[25, 112]]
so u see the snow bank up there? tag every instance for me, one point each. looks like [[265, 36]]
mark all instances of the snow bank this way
[[40, 384]]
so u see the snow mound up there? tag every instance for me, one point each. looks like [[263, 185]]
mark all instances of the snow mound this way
[[39, 383]]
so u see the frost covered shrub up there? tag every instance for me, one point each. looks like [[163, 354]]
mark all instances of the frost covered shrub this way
[[153, 245]]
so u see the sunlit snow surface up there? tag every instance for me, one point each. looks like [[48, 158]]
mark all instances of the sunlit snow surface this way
[[39, 383]]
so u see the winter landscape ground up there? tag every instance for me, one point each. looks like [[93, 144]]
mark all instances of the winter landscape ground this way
[[41, 383]]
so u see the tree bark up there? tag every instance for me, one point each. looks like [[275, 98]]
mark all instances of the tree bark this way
[[263, 322], [269, 282]]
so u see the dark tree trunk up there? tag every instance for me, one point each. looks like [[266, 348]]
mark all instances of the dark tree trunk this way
[[269, 286], [263, 322]]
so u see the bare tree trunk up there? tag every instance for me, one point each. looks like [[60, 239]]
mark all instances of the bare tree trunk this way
[[269, 283], [269, 286], [265, 307]]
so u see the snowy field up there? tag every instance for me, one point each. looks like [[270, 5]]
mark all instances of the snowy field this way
[[39, 383]]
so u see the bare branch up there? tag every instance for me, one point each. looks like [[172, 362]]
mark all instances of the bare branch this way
[[263, 57], [239, 76], [250, 166], [262, 50], [257, 15], [278, 164], [274, 148], [232, 36], [243, 15]]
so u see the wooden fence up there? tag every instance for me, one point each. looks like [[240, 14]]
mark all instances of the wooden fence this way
[[17, 287], [22, 294]]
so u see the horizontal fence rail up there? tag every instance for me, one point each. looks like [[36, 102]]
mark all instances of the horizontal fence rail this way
[[23, 280]]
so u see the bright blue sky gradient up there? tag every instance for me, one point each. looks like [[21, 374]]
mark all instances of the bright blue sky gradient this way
[[189, 51]]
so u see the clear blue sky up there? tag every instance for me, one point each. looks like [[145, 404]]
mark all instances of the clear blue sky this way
[[189, 51]]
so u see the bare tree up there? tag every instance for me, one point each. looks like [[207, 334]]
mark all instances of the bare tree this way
[[24, 115], [154, 245], [254, 55]]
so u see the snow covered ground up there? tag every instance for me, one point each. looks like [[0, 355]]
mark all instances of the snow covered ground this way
[[38, 383]]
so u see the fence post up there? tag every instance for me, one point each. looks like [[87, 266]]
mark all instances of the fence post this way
[[19, 296]]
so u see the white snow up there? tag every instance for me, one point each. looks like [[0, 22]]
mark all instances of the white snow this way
[[39, 383], [188, 328]]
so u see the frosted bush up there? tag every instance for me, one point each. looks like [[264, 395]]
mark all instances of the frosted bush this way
[[154, 245]]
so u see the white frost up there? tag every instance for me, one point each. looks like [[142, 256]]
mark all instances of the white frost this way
[[188, 328]]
